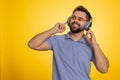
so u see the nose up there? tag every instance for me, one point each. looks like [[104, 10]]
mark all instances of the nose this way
[[76, 20]]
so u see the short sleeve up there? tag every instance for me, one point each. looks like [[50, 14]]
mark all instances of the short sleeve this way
[[51, 41], [93, 57], [92, 53]]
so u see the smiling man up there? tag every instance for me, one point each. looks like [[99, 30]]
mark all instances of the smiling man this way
[[72, 52]]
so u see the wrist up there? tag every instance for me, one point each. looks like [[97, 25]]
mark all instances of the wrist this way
[[95, 45], [53, 31]]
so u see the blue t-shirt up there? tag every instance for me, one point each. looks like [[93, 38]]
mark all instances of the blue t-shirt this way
[[71, 59]]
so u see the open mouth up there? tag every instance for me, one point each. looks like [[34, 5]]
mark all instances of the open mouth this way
[[75, 26]]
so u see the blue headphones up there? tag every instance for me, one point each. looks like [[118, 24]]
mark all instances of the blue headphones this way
[[87, 26]]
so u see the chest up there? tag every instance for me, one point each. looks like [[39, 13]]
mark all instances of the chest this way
[[73, 52]]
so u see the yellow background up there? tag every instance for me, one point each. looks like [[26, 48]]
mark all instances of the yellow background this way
[[20, 20]]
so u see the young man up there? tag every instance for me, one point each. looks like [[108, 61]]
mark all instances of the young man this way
[[74, 51]]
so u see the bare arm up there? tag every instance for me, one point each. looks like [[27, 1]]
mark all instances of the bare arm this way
[[39, 42], [100, 61]]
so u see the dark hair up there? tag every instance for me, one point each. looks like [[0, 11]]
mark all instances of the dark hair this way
[[83, 9]]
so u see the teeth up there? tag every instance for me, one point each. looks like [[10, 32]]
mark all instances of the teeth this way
[[75, 25]]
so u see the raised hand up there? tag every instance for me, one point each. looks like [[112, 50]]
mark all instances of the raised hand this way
[[59, 27], [91, 37]]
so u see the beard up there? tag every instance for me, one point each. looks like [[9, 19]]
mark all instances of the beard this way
[[75, 30]]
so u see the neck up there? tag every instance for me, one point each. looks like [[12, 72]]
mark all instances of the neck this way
[[77, 36]]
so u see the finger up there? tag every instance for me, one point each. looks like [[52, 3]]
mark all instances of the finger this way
[[65, 23], [61, 27], [88, 39], [88, 35], [90, 31]]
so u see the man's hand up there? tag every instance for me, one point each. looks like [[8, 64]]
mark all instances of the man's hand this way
[[91, 38], [100, 60], [59, 27]]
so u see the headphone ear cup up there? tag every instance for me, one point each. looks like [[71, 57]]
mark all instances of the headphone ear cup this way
[[88, 25], [68, 21]]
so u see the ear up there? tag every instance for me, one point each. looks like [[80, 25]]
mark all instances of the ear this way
[[88, 25]]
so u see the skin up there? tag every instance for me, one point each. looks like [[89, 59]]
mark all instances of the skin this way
[[39, 42], [76, 25]]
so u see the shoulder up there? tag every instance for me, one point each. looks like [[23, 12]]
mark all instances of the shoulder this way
[[58, 36]]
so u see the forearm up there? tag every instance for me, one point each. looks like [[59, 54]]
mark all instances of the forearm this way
[[37, 40], [101, 61]]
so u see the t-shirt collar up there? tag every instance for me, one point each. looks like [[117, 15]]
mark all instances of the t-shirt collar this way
[[82, 40]]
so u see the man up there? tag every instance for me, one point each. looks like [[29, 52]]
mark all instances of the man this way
[[74, 51]]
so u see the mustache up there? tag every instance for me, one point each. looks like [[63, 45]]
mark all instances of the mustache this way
[[75, 23]]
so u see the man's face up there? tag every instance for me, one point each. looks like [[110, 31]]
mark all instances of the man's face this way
[[77, 21]]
